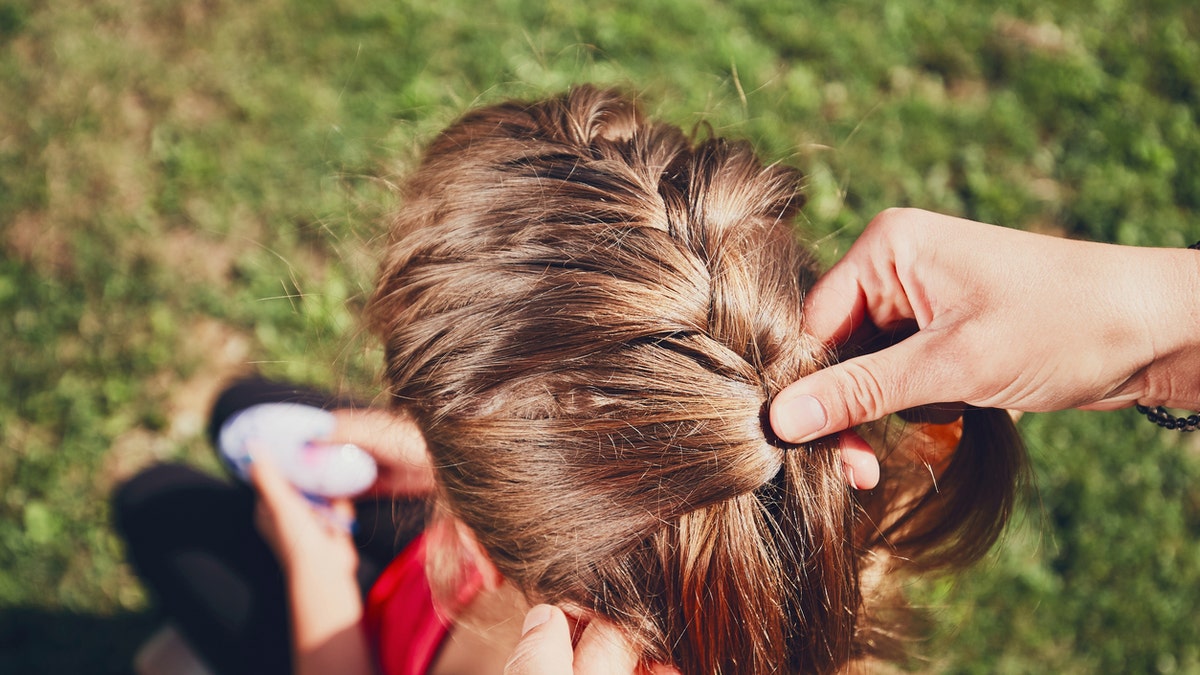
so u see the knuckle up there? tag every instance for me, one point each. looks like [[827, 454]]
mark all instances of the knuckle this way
[[530, 657], [520, 661], [862, 393], [896, 220]]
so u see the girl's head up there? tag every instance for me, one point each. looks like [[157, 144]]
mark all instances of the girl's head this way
[[587, 314]]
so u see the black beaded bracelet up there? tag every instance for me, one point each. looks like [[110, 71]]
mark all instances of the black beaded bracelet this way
[[1166, 420]]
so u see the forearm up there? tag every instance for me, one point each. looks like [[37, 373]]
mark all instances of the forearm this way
[[327, 630], [319, 561]]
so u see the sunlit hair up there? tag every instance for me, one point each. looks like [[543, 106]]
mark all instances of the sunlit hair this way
[[587, 313]]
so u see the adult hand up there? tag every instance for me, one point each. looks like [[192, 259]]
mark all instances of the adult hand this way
[[545, 649], [1004, 319]]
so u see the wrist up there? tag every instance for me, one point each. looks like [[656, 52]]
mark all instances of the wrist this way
[[332, 562], [322, 606], [1172, 378]]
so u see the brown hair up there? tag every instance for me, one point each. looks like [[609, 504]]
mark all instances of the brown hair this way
[[587, 313]]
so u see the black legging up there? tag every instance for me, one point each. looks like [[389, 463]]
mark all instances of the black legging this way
[[191, 538]]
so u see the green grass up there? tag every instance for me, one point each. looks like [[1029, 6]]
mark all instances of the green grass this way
[[189, 187]]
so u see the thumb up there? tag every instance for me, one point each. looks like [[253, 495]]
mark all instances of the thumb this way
[[862, 389], [545, 646]]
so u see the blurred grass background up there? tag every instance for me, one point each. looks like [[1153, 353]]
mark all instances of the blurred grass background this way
[[187, 188]]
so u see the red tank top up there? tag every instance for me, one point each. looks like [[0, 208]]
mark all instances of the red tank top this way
[[404, 626]]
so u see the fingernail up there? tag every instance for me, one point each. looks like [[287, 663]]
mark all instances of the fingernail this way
[[802, 417], [536, 617]]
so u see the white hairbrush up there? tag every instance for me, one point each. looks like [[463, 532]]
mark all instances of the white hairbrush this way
[[289, 433]]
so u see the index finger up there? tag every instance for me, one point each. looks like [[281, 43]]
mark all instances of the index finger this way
[[866, 282], [604, 650], [836, 305]]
